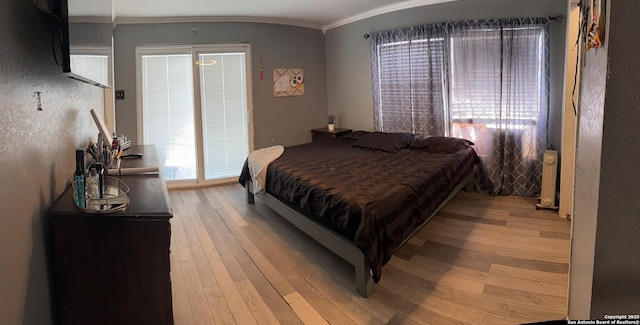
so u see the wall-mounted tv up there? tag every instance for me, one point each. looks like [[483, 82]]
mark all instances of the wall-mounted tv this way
[[87, 40]]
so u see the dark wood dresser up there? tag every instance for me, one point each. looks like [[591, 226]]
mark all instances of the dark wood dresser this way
[[114, 268]]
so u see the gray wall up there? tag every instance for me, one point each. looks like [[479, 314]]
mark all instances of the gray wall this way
[[283, 120], [348, 57], [90, 33], [616, 270], [587, 179], [37, 156]]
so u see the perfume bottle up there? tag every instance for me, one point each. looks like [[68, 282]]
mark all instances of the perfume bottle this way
[[92, 190], [115, 143], [79, 181]]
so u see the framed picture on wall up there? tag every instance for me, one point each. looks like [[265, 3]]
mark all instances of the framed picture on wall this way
[[288, 82]]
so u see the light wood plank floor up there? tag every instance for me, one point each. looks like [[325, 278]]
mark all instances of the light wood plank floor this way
[[482, 260]]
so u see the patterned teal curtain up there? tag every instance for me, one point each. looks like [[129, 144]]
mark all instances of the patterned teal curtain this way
[[483, 80]]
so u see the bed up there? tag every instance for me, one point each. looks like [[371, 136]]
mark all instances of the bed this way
[[363, 195]]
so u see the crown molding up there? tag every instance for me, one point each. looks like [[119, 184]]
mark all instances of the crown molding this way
[[215, 19], [280, 21], [383, 10]]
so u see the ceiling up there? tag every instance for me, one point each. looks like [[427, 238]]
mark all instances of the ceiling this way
[[320, 14]]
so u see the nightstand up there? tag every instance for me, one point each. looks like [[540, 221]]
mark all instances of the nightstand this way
[[324, 133]]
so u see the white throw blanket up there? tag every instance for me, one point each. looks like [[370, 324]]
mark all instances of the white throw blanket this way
[[258, 162]]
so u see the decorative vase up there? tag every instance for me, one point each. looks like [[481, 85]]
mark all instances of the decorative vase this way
[[331, 127]]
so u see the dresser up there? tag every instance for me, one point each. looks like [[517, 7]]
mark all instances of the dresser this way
[[114, 268]]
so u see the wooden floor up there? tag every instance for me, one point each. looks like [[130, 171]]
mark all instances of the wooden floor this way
[[482, 260]]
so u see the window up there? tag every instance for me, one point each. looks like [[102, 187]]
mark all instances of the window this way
[[478, 76], [483, 80], [410, 84], [92, 62], [223, 99], [496, 84], [408, 79]]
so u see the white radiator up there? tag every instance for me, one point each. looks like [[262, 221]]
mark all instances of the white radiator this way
[[549, 175]]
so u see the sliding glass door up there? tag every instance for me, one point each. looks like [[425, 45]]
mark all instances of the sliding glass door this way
[[223, 99], [194, 106]]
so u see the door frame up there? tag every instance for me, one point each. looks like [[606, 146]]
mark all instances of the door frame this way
[[194, 50]]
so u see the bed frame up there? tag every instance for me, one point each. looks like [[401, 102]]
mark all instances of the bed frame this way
[[347, 250]]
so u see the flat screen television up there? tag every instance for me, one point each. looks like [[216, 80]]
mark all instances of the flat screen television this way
[[86, 38]]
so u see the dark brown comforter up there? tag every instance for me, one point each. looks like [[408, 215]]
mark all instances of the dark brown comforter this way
[[371, 197]]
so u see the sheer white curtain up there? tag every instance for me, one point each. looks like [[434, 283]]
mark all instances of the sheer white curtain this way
[[483, 80], [498, 97]]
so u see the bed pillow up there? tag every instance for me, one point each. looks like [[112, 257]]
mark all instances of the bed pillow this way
[[356, 135], [389, 142], [434, 143]]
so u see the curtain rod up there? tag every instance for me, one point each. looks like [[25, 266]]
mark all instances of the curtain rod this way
[[558, 18]]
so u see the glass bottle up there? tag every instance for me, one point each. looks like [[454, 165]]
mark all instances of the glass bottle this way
[[79, 186], [92, 189]]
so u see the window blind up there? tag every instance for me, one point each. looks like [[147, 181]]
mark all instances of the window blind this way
[[167, 113], [410, 83], [224, 113]]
